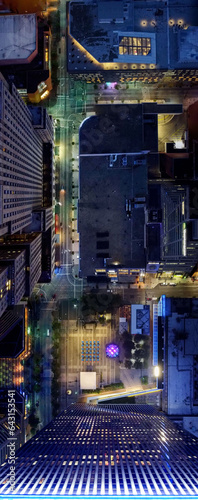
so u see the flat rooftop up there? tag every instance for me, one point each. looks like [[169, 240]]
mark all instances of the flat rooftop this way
[[114, 129], [18, 38], [104, 35], [20, 239], [10, 255], [102, 211], [182, 358]]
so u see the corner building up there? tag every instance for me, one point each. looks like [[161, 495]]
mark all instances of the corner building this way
[[129, 41], [110, 451]]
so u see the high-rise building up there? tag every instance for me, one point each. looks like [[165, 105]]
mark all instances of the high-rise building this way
[[4, 287], [14, 260], [18, 426], [12, 336], [178, 355], [21, 188], [25, 54], [32, 244], [180, 245], [26, 182], [113, 450]]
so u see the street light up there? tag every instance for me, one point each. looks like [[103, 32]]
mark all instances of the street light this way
[[156, 371]]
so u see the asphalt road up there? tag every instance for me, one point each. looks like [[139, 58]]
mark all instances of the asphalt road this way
[[140, 93]]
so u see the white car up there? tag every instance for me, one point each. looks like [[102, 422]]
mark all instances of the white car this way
[[48, 332], [172, 284]]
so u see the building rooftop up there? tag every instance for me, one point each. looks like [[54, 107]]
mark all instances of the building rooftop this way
[[118, 35], [10, 255], [115, 147], [181, 362], [12, 340], [20, 239], [18, 38], [114, 129], [118, 153], [108, 451]]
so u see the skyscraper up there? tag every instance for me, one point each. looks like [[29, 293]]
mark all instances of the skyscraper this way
[[26, 186], [21, 175], [113, 450]]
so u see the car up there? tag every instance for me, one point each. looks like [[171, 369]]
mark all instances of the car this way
[[149, 298], [48, 332], [164, 284], [172, 284]]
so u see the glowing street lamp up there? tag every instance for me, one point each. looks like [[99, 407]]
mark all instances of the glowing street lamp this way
[[156, 371]]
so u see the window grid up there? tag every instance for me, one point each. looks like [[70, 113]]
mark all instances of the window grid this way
[[135, 46]]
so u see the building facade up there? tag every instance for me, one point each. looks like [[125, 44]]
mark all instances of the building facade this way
[[113, 450], [32, 244], [26, 183], [4, 287], [21, 162], [14, 260]]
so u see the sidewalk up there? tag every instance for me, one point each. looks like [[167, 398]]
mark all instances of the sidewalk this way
[[132, 378]]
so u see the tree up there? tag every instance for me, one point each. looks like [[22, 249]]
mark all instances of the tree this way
[[33, 420], [144, 379], [139, 353], [139, 338], [37, 387], [138, 364], [128, 364], [127, 343], [94, 303], [102, 320]]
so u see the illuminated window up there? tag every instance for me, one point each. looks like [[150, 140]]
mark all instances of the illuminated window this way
[[46, 55], [135, 46]]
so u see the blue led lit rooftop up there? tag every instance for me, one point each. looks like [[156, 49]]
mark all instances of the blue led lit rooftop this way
[[114, 451]]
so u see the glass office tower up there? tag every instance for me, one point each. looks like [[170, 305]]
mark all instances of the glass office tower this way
[[111, 450]]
